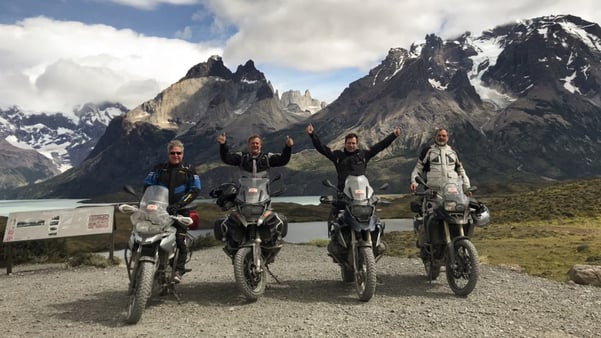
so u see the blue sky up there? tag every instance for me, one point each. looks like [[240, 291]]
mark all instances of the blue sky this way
[[55, 54]]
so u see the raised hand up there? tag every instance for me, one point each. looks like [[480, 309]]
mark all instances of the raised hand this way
[[310, 129], [221, 139]]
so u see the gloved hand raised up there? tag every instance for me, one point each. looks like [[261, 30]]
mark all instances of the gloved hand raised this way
[[173, 208]]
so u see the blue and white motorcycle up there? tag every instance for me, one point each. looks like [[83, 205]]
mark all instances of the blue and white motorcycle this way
[[152, 249]]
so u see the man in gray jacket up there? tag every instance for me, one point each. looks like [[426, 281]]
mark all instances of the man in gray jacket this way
[[439, 163]]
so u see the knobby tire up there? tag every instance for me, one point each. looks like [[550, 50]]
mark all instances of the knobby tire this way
[[251, 284], [141, 293], [463, 279], [365, 277]]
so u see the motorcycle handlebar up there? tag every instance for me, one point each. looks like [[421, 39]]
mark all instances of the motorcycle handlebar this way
[[183, 219], [126, 208]]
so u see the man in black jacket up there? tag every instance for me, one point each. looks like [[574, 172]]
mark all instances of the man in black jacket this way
[[253, 160], [349, 161], [184, 186]]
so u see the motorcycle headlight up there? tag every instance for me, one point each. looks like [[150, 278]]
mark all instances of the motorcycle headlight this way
[[450, 205], [148, 228]]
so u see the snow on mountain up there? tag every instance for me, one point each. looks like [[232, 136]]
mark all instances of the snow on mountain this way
[[64, 139]]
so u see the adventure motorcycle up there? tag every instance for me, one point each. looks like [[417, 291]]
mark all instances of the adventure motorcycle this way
[[444, 223], [356, 232], [152, 249], [252, 231]]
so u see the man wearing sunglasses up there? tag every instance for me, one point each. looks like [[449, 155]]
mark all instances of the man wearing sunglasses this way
[[184, 185]]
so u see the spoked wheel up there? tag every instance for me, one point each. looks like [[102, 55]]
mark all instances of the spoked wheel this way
[[365, 276], [141, 287], [463, 276], [250, 279]]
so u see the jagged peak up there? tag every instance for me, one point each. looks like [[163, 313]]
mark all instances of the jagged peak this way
[[248, 72], [212, 67]]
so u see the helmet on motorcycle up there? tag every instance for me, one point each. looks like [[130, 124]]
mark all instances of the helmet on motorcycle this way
[[229, 189], [481, 216], [228, 194]]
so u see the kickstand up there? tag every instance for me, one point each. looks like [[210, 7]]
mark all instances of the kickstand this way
[[272, 275], [176, 295]]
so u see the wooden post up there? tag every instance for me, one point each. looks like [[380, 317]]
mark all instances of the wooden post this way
[[112, 250], [8, 255]]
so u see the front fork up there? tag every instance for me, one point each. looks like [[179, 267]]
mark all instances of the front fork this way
[[256, 249], [450, 243], [356, 244]]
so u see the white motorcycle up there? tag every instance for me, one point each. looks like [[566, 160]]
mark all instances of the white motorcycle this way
[[152, 249]]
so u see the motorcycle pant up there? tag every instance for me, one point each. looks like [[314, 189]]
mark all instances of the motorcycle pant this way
[[180, 241]]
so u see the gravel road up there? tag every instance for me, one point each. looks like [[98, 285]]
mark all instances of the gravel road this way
[[310, 301]]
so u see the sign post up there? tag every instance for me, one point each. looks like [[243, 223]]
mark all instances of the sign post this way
[[48, 224]]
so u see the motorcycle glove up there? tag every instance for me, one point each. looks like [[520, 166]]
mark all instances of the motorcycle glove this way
[[173, 208]]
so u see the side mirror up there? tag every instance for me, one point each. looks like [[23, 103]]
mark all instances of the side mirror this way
[[130, 190], [329, 184]]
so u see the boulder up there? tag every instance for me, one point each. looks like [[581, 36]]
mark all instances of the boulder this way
[[586, 274]]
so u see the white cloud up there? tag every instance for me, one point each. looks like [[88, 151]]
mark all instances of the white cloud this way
[[54, 65], [184, 34], [318, 35], [152, 4], [320, 45]]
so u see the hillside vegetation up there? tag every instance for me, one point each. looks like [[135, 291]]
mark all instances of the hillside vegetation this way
[[544, 230]]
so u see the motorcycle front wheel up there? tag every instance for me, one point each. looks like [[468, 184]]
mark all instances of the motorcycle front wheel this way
[[140, 292], [365, 276], [250, 279], [464, 275]]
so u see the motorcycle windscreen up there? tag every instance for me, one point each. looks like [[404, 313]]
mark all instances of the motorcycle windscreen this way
[[357, 189], [253, 190], [152, 217], [453, 197]]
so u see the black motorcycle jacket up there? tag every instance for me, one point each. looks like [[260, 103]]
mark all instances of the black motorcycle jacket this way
[[261, 162], [181, 180], [347, 163]]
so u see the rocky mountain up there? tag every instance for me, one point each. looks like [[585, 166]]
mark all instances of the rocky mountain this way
[[522, 102], [37, 146], [295, 102]]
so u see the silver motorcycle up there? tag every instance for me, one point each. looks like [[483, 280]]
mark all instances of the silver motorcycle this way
[[152, 250]]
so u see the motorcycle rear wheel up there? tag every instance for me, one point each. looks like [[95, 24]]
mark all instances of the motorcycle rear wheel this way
[[250, 282], [141, 289], [463, 277], [365, 277]]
